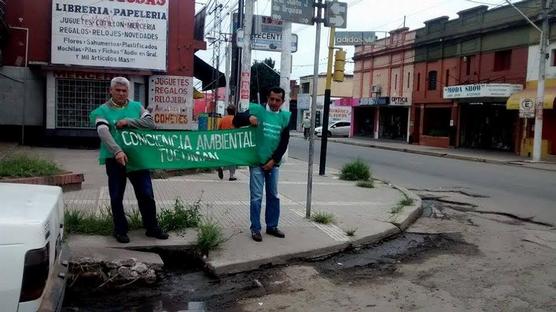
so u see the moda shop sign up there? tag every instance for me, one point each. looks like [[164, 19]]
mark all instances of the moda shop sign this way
[[502, 90]]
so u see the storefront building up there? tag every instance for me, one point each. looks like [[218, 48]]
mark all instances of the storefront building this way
[[61, 55], [383, 83], [466, 70]]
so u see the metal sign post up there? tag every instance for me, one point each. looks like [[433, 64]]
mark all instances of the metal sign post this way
[[303, 12]]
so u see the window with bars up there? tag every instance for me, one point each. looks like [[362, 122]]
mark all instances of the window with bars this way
[[76, 98]]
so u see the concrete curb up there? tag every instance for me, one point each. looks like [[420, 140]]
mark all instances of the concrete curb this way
[[439, 154], [401, 222]]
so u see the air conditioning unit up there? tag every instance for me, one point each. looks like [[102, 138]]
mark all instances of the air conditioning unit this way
[[375, 89]]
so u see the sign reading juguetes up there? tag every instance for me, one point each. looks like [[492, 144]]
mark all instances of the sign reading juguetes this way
[[108, 33]]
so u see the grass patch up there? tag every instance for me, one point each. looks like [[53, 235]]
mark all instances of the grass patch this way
[[21, 165], [322, 217], [76, 221], [209, 236], [351, 232], [355, 171], [181, 216], [366, 184], [402, 203]]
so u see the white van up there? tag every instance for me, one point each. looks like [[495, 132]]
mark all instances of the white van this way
[[31, 230]]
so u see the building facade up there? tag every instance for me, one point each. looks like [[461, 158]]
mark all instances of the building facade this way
[[383, 83], [466, 71], [59, 57], [338, 90]]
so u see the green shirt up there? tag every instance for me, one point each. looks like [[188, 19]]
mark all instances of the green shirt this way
[[111, 115], [269, 129]]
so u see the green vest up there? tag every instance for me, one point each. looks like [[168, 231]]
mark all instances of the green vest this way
[[269, 129], [112, 115]]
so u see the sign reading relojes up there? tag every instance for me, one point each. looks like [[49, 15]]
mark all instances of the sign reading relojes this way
[[149, 149], [171, 99], [107, 33]]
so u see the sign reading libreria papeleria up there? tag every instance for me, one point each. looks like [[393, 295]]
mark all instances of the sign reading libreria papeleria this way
[[155, 149], [110, 33]]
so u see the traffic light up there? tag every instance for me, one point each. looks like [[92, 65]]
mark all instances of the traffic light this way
[[339, 65]]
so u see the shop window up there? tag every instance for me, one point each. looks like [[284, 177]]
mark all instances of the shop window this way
[[305, 87], [468, 60], [553, 57], [408, 79], [76, 98], [418, 81], [502, 60], [433, 75]]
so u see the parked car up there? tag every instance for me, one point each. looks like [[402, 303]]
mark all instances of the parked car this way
[[31, 232], [336, 128]]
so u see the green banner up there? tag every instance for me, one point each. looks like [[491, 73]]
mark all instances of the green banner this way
[[155, 149]]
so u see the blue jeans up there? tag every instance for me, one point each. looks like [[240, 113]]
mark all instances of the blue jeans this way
[[257, 178], [142, 185]]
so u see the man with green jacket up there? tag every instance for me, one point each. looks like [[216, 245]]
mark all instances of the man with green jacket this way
[[272, 138], [118, 113]]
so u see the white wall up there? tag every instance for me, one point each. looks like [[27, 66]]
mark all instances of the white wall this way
[[533, 63]]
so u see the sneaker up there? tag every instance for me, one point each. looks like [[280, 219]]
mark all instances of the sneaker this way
[[121, 238], [158, 233], [233, 178], [256, 236], [275, 232], [220, 173]]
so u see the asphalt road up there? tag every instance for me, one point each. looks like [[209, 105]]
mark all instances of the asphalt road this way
[[520, 191]]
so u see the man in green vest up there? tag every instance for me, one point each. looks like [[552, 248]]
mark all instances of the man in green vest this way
[[272, 138], [118, 113]]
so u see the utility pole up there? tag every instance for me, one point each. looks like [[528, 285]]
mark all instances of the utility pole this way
[[285, 67], [245, 73], [318, 20], [537, 141], [236, 54], [543, 43], [326, 112]]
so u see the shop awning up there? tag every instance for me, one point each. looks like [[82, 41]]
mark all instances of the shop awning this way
[[197, 94], [210, 77], [515, 99]]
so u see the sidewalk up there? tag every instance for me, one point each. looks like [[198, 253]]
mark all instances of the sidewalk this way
[[496, 157], [367, 211]]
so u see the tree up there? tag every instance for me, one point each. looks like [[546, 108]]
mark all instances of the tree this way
[[263, 77]]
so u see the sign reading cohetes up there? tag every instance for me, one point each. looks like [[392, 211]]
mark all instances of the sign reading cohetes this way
[[110, 33], [171, 100]]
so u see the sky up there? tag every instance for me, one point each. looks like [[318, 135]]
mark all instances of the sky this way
[[362, 15]]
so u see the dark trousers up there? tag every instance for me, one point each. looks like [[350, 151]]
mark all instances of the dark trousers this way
[[142, 185]]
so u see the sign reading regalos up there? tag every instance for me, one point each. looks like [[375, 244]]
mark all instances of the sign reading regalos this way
[[500, 90], [171, 98], [108, 33]]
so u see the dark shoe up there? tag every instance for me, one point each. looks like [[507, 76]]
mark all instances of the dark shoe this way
[[256, 236], [275, 232], [121, 238], [233, 178], [220, 173], [157, 234]]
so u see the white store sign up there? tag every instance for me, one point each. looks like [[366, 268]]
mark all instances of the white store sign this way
[[171, 98], [124, 34], [502, 90]]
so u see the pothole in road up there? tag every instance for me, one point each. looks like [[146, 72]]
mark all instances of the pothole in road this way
[[383, 258]]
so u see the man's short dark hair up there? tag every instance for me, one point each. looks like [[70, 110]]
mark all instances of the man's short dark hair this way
[[278, 90], [231, 109]]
